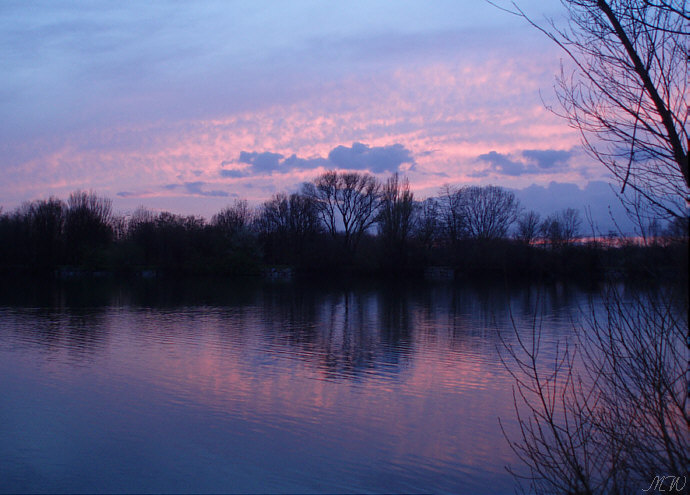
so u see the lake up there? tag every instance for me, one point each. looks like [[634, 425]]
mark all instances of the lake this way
[[211, 386]]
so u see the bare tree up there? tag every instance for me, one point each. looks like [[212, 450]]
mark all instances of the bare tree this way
[[347, 199], [427, 222], [528, 226], [234, 218], [141, 216], [45, 222], [395, 217], [274, 215], [293, 218], [609, 414], [88, 206], [87, 223], [450, 217], [488, 212], [627, 93], [561, 228]]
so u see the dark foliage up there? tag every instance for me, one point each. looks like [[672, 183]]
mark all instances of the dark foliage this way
[[83, 235]]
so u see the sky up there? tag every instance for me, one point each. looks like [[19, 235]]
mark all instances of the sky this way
[[188, 106]]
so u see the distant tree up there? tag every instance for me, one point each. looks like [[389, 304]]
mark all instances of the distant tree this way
[[141, 215], [233, 219], [528, 227], [450, 217], [350, 199], [174, 240], [427, 222], [46, 222], [119, 225], [678, 229], [562, 228], [287, 223], [488, 212], [396, 215], [303, 217], [324, 192], [293, 216], [87, 224], [274, 216], [141, 232]]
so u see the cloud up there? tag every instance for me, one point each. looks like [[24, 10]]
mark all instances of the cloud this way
[[378, 159], [195, 189], [233, 173], [261, 162], [502, 164], [294, 162], [267, 162], [548, 159], [525, 163], [138, 194], [375, 159]]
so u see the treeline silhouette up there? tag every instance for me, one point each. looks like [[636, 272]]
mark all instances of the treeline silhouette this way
[[341, 223]]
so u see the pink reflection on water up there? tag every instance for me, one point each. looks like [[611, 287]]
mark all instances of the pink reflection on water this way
[[435, 402]]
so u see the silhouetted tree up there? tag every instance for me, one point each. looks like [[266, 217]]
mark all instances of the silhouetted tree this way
[[627, 93], [624, 419], [562, 228], [395, 218], [45, 221], [120, 226], [347, 199], [678, 229], [487, 212], [427, 228], [234, 219], [174, 241], [450, 217], [528, 227], [141, 233], [608, 415], [87, 225], [287, 223]]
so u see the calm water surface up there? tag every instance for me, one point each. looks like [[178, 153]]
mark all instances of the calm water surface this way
[[246, 387]]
